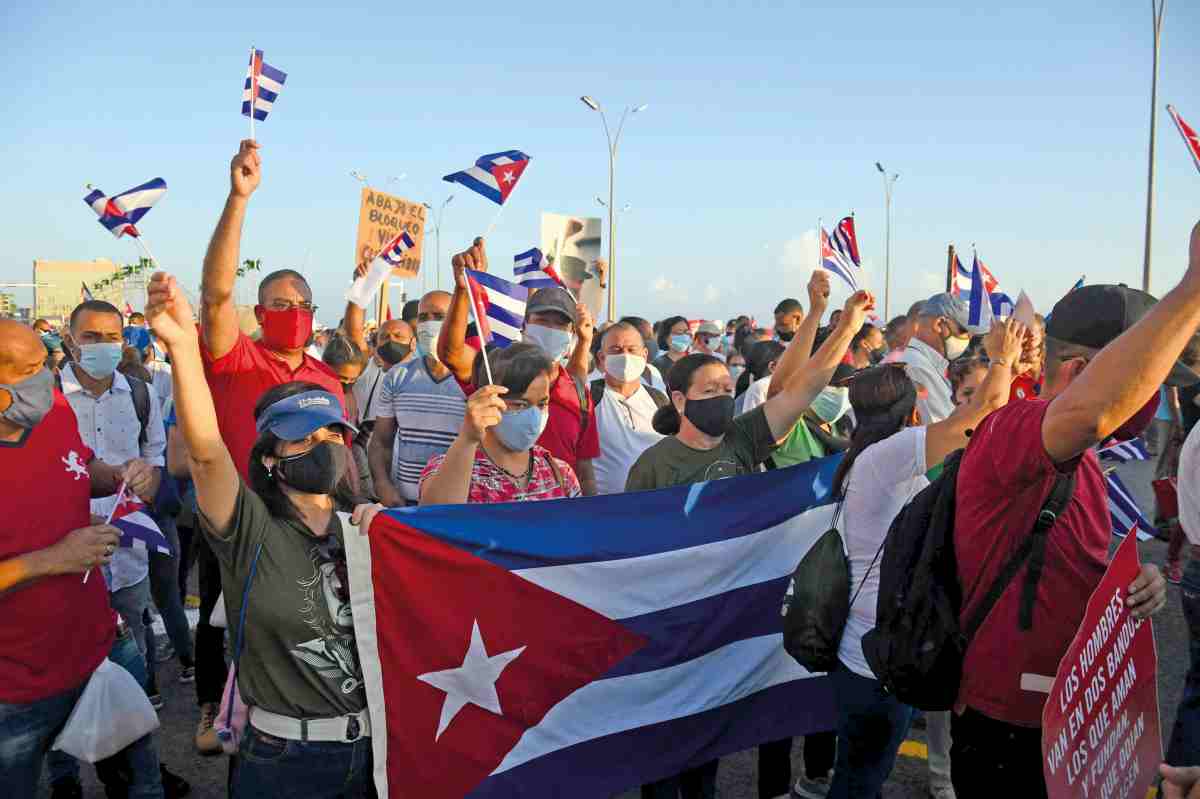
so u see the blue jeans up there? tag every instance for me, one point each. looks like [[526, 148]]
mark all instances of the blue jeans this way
[[164, 587], [1184, 748], [137, 763], [871, 726], [26, 733], [270, 766]]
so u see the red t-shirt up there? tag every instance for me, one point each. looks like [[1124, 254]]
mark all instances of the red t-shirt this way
[[564, 435], [1005, 477], [56, 630], [239, 377], [1023, 387]]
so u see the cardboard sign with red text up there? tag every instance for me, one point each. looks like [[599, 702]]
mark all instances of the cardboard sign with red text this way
[[1100, 735]]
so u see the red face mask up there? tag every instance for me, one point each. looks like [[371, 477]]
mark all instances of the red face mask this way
[[285, 331]]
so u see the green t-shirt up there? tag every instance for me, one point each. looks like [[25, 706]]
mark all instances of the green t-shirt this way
[[800, 446], [670, 462], [299, 657]]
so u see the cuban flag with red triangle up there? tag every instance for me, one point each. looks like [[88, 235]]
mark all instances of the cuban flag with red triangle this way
[[584, 647], [138, 530], [494, 176], [1190, 137]]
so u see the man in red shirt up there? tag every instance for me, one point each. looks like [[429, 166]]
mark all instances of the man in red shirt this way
[[239, 370], [551, 316], [1108, 349], [46, 543]]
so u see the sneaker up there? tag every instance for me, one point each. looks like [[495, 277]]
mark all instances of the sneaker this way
[[164, 653], [191, 602], [156, 700], [66, 788], [187, 674], [207, 742], [173, 785], [807, 788], [1173, 572]]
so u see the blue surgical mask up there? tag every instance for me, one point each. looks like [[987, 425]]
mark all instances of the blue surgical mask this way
[[680, 342], [735, 371], [554, 342], [100, 360], [427, 337], [520, 430], [831, 404]]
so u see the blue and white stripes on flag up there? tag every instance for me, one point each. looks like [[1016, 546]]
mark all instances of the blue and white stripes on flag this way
[[494, 176], [500, 308], [1125, 451], [264, 82], [533, 270], [120, 213], [365, 286], [1002, 305], [1126, 515], [138, 529], [979, 305]]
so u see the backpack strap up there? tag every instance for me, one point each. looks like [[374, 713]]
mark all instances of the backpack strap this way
[[597, 391], [660, 399], [1032, 549], [558, 475], [584, 407], [241, 630], [141, 405]]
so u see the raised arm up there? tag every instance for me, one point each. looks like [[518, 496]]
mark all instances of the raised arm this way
[[452, 348], [451, 483], [1123, 376], [1004, 344], [215, 477], [585, 330], [784, 409], [800, 349], [218, 315], [354, 319]]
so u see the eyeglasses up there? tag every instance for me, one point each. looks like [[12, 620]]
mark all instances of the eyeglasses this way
[[286, 305]]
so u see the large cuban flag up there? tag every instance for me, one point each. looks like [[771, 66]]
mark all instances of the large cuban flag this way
[[582, 647]]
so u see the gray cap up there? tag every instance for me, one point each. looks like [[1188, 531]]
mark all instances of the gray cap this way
[[552, 298], [951, 307], [709, 329]]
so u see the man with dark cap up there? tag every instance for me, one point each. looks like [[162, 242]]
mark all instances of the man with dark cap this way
[[1095, 337]]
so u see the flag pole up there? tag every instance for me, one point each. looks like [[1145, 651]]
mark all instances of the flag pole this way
[[820, 222], [1157, 9], [495, 219], [487, 367], [146, 250], [253, 91], [950, 269]]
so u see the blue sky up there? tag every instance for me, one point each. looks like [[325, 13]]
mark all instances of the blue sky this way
[[1020, 128]]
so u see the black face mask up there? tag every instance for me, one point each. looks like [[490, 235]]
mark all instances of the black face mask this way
[[393, 351], [786, 335], [317, 471], [878, 355], [711, 416]]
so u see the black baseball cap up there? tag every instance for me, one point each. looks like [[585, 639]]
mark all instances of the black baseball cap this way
[[1094, 315], [552, 298]]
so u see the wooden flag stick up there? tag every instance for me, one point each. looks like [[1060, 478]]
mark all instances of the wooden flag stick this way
[[487, 366]]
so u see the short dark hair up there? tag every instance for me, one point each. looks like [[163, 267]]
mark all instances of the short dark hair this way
[[94, 306], [666, 419], [280, 274], [862, 334], [514, 367], [639, 323], [790, 305], [409, 312], [760, 356], [622, 325], [341, 351], [263, 483]]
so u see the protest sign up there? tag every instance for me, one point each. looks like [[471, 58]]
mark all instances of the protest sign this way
[[381, 217], [1100, 735], [574, 244]]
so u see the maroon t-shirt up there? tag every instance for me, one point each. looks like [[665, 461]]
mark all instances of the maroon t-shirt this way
[[239, 377], [1005, 477], [56, 630]]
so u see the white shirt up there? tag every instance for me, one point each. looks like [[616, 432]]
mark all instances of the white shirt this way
[[625, 433], [160, 372], [927, 367], [884, 477], [653, 377], [755, 395], [1189, 486], [109, 425]]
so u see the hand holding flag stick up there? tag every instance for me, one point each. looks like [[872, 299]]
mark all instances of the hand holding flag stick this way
[[111, 512], [474, 259]]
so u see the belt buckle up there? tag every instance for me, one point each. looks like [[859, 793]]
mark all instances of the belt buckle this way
[[353, 729]]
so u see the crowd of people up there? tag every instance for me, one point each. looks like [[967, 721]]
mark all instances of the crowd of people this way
[[244, 448]]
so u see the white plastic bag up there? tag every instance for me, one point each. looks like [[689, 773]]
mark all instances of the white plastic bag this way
[[218, 618], [112, 713]]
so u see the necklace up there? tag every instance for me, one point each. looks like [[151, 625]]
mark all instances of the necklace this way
[[516, 478]]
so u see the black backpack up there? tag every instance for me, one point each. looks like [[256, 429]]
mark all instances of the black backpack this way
[[141, 403], [918, 645]]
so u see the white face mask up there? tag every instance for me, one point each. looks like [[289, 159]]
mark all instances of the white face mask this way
[[427, 336], [832, 403], [554, 342], [955, 347], [626, 368]]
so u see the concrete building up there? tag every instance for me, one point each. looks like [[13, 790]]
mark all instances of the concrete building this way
[[59, 286]]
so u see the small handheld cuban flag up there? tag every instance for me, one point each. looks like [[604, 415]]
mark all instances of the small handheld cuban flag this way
[[120, 213], [979, 307], [138, 530], [500, 309], [494, 176], [392, 256], [534, 270], [1125, 451], [263, 84], [1126, 515], [1190, 137]]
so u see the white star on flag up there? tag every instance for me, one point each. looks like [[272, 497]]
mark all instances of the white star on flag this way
[[472, 683], [508, 177]]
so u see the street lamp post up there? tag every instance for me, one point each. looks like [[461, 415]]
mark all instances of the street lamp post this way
[[613, 143], [1157, 9], [437, 235], [888, 184]]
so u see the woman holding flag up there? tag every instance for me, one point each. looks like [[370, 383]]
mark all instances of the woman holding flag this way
[[279, 541]]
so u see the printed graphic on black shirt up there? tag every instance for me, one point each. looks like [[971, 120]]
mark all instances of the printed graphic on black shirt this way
[[326, 609]]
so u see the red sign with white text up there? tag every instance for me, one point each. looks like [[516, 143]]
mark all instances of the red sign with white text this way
[[1100, 735]]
